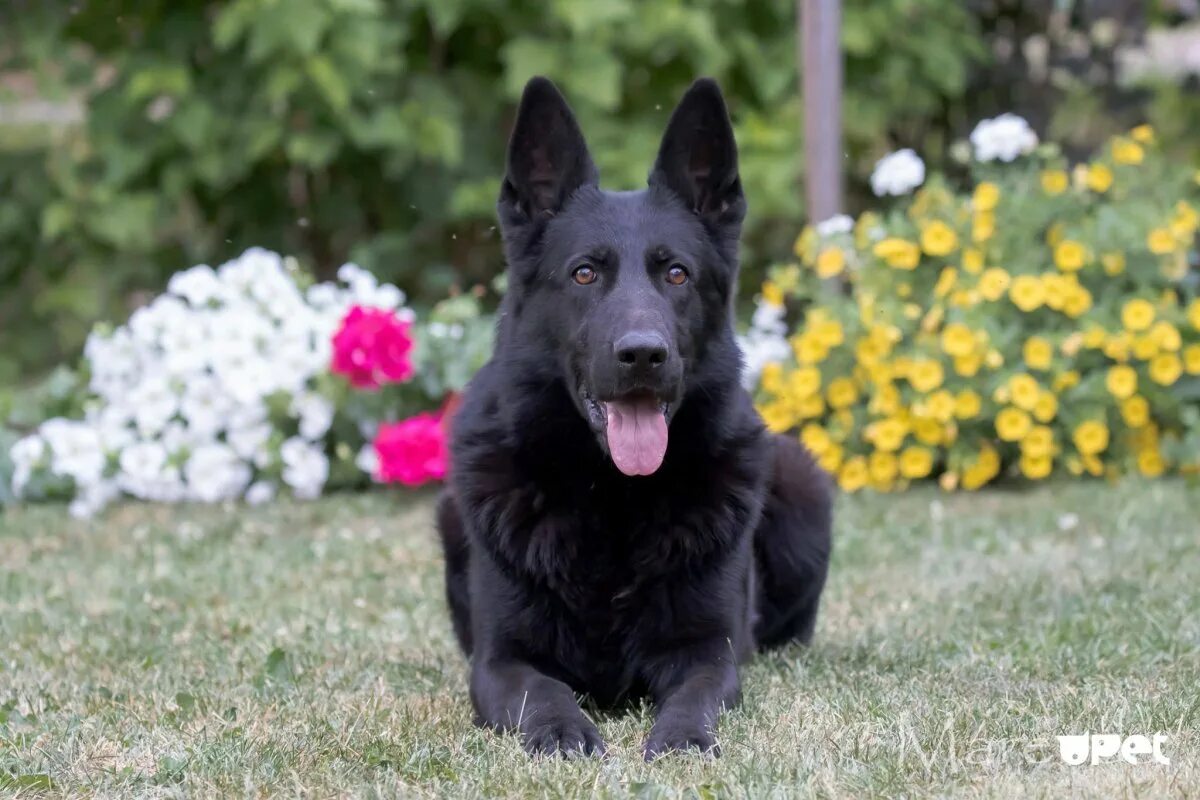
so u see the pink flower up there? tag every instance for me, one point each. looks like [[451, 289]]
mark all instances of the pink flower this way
[[373, 347], [412, 451]]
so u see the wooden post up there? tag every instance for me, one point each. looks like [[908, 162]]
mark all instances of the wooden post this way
[[818, 40]]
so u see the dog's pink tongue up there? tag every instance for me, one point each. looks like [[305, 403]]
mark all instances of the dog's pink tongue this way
[[637, 435]]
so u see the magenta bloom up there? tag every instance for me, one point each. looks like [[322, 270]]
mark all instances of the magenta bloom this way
[[373, 347], [412, 451]]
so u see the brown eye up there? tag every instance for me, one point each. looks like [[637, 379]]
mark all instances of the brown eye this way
[[584, 275], [677, 275]]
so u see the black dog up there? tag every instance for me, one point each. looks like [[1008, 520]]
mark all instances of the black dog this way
[[618, 523]]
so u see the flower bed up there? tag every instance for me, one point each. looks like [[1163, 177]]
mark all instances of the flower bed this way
[[1046, 323], [251, 378]]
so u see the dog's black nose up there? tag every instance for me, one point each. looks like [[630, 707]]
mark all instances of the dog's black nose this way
[[641, 350]]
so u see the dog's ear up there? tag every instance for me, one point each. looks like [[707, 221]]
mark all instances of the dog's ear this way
[[697, 159], [547, 156]]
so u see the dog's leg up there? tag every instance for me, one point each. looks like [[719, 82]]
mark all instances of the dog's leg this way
[[512, 695], [792, 546], [695, 685], [456, 551]]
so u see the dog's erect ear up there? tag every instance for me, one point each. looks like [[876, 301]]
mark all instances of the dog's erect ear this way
[[697, 159], [547, 156]]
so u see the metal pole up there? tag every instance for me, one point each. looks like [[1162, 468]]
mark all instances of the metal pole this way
[[819, 42]]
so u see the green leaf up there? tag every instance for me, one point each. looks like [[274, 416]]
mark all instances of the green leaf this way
[[328, 82]]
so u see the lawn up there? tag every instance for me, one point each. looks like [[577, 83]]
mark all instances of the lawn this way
[[305, 649]]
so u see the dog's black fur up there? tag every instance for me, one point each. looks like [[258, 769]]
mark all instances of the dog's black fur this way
[[563, 574]]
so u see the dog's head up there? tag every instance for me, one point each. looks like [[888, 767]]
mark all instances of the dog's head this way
[[625, 296]]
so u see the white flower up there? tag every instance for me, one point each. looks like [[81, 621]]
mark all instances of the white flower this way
[[1003, 139], [898, 173], [205, 405], [768, 319], [214, 473], [198, 285], [837, 224], [259, 493], [758, 350], [91, 498], [76, 450], [27, 455], [305, 468], [367, 459], [154, 402], [315, 413]]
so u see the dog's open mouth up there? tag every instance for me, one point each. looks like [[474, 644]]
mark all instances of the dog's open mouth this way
[[635, 429]]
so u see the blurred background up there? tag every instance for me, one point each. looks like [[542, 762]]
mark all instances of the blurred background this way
[[138, 138]]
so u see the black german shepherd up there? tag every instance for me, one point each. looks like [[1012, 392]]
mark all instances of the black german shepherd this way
[[618, 524]]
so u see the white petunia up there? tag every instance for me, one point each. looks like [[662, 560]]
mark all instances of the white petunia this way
[[1003, 139], [367, 459], [305, 468], [897, 173], [214, 473], [27, 455], [154, 402], [205, 405], [76, 450], [837, 224], [91, 498], [198, 285], [315, 414], [259, 493]]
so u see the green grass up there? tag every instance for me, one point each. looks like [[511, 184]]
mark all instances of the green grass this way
[[305, 649]]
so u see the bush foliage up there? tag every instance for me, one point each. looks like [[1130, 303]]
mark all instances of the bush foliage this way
[[1046, 322], [373, 130]]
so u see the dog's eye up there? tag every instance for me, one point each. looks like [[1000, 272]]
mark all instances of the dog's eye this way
[[584, 274], [677, 275]]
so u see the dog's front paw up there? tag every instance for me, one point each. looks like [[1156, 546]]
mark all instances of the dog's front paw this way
[[680, 735], [569, 736]]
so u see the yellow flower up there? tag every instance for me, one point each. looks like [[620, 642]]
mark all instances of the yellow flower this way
[[815, 438], [994, 359], [967, 404], [1191, 359], [771, 379], [853, 475], [948, 480], [1193, 314], [986, 196], [1135, 411], [968, 366], [925, 375], [1055, 234], [972, 261], [883, 468], [828, 332], [809, 349], [1161, 241], [1078, 302], [928, 430], [1145, 347], [1122, 381], [940, 405], [1114, 263], [1036, 467], [1166, 336], [1117, 346], [945, 282], [1024, 391], [805, 382], [983, 225], [1038, 353], [1046, 407], [1066, 380], [1143, 134], [1185, 222], [887, 434], [778, 416], [1027, 293], [1099, 178], [938, 239], [916, 462], [1091, 437], [1165, 369], [1070, 256], [993, 283], [898, 253], [1150, 462], [811, 407], [1126, 151], [806, 244], [830, 262], [1038, 442], [831, 459], [842, 392], [1137, 314], [1012, 424], [957, 339], [1054, 181], [772, 295]]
